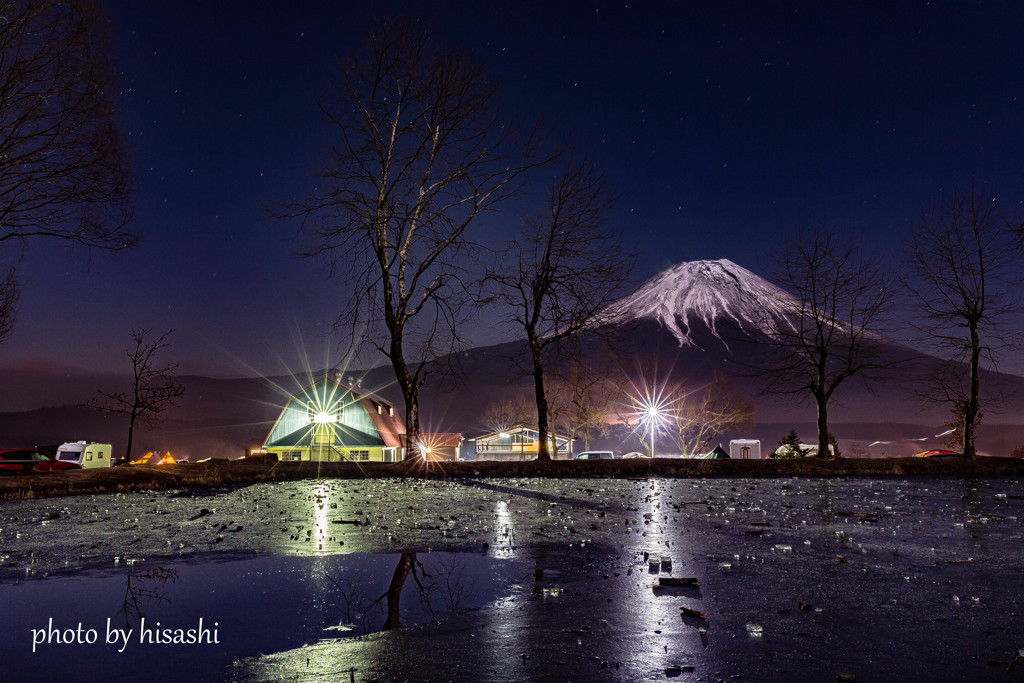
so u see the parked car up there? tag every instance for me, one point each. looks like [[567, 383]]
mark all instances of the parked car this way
[[29, 460], [635, 454], [594, 455]]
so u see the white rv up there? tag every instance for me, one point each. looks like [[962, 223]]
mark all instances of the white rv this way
[[745, 449], [85, 454]]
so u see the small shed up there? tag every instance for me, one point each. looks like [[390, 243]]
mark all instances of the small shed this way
[[440, 446]]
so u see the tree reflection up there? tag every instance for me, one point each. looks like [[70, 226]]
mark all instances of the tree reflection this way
[[438, 593], [406, 565], [143, 586]]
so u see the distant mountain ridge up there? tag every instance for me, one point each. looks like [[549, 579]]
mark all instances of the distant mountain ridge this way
[[692, 320]]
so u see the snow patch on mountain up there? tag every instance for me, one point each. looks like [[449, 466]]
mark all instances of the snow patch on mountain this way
[[715, 293]]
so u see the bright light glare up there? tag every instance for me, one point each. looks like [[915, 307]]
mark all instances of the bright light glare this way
[[651, 406], [323, 417]]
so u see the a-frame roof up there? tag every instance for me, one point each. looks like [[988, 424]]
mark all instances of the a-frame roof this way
[[363, 419]]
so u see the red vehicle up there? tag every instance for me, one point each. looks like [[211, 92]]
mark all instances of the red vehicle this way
[[31, 460]]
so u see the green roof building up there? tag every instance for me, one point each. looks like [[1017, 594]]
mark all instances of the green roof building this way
[[331, 422]]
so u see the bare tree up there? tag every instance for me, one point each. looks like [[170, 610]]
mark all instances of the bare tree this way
[[699, 416], [504, 414], [422, 154], [560, 275], [63, 163], [839, 295], [958, 272], [588, 392], [153, 390]]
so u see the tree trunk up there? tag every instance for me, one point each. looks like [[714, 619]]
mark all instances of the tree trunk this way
[[410, 392], [542, 403], [131, 430], [972, 407], [823, 451]]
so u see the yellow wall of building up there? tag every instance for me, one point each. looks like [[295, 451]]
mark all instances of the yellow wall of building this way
[[331, 454]]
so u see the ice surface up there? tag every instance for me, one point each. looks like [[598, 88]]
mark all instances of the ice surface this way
[[861, 553]]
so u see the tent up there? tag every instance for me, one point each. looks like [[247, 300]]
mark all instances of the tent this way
[[934, 454], [156, 458], [718, 453]]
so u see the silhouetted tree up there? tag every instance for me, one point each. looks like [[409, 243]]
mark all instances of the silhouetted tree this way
[[63, 163], [504, 414], [422, 154], [560, 275], [958, 271], [699, 416], [586, 391], [153, 390], [839, 295]]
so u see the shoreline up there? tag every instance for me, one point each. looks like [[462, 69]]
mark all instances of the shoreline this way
[[215, 473]]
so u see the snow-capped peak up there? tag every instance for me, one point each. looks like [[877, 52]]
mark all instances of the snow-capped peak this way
[[715, 293]]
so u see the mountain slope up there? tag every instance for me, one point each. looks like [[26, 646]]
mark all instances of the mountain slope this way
[[681, 327], [718, 296]]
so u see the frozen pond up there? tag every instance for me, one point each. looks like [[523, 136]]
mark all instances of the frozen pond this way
[[555, 579]]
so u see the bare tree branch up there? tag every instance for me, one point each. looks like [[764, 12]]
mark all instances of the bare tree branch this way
[[956, 273], [559, 277], [152, 389], [839, 296], [422, 155], [64, 170], [697, 418]]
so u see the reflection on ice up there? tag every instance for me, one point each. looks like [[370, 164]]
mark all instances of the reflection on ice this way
[[818, 564], [258, 605]]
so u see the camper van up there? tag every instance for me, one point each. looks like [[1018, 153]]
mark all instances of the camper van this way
[[85, 454]]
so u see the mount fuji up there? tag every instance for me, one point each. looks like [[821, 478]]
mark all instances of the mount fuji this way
[[697, 298], [702, 318], [684, 325]]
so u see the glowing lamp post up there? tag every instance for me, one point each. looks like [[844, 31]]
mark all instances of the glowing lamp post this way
[[651, 408], [653, 414]]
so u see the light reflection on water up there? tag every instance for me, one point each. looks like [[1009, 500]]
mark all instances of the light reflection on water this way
[[249, 607], [818, 564]]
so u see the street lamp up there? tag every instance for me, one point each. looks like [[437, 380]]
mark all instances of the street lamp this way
[[651, 404], [653, 414]]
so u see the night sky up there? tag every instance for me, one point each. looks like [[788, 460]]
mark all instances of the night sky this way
[[719, 127]]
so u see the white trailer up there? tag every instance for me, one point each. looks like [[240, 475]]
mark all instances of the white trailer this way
[[85, 454], [745, 449]]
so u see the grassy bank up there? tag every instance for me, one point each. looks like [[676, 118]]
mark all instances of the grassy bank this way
[[227, 472]]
